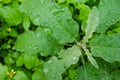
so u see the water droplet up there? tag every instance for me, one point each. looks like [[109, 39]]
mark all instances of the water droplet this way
[[48, 31], [106, 24], [113, 20], [74, 58], [49, 61], [46, 71], [36, 19], [29, 47], [35, 47], [42, 1]]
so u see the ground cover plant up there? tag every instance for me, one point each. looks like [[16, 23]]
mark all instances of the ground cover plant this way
[[59, 39]]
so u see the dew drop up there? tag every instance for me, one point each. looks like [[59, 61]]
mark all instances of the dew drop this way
[[46, 71], [48, 31], [36, 19], [49, 61], [35, 47], [106, 24], [113, 20], [29, 47], [42, 1], [74, 58]]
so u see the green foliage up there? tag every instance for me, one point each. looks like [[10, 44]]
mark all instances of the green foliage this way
[[3, 71], [48, 14], [55, 67], [88, 72], [106, 47], [59, 40], [110, 14]]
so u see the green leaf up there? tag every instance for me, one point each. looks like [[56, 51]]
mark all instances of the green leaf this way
[[88, 72], [76, 1], [84, 12], [90, 58], [11, 15], [38, 41], [9, 60], [55, 67], [13, 33], [30, 61], [26, 22], [107, 47], [20, 75], [92, 23], [3, 71], [38, 75], [6, 1], [20, 60], [71, 73], [108, 14], [47, 13]]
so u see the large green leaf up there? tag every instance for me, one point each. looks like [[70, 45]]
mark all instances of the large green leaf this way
[[38, 41], [109, 14], [107, 47], [55, 67], [88, 72], [47, 13]]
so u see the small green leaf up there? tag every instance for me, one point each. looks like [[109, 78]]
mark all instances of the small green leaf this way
[[71, 73], [26, 22], [20, 75], [9, 60], [38, 75], [20, 60], [30, 61]]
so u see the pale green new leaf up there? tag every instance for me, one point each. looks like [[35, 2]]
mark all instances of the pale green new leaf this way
[[106, 47], [109, 14], [47, 13], [92, 23], [55, 67]]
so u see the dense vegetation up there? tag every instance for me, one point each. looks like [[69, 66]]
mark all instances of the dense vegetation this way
[[59, 39]]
